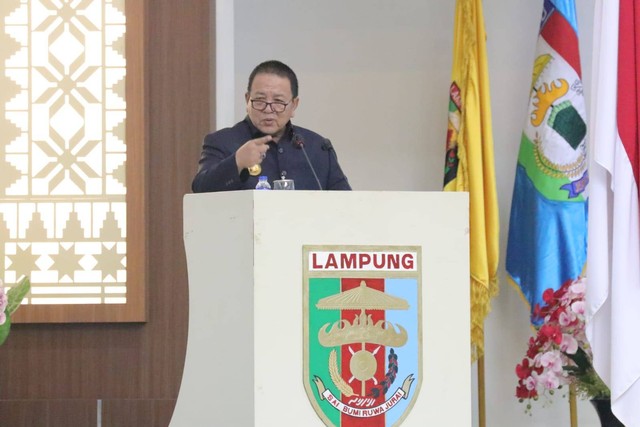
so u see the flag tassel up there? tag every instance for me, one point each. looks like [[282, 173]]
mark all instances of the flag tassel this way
[[481, 294]]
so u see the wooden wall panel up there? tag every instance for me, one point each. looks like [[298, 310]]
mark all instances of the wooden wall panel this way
[[179, 114], [136, 413], [48, 413], [135, 368]]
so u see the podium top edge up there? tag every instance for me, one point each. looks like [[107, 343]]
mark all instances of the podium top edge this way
[[454, 194]]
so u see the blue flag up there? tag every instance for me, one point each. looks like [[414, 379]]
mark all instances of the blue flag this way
[[547, 243]]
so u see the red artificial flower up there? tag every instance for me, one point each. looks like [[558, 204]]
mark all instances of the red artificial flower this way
[[552, 332], [523, 370], [534, 348], [523, 393], [560, 311], [537, 311], [563, 289], [547, 296], [560, 323]]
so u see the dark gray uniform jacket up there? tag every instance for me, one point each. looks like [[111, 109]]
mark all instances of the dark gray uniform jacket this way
[[218, 170]]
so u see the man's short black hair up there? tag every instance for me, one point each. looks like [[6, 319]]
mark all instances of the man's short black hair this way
[[279, 69]]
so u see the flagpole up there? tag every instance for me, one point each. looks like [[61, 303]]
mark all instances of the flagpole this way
[[482, 416], [573, 409]]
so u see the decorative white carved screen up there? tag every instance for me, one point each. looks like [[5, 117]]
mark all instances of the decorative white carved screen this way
[[63, 152]]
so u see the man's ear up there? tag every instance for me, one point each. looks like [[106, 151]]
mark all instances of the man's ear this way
[[294, 106]]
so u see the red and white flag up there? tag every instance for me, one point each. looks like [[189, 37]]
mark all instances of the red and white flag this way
[[613, 290]]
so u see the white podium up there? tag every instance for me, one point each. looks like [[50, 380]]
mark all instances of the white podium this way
[[254, 260]]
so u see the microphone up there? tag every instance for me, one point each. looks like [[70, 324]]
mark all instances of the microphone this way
[[326, 145], [298, 142]]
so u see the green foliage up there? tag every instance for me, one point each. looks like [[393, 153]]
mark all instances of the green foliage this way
[[17, 294], [4, 330], [588, 384], [591, 386]]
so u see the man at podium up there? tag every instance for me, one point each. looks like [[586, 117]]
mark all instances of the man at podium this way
[[266, 143]]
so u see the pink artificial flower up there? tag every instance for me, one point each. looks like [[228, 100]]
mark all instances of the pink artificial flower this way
[[530, 383], [4, 300], [578, 307], [569, 344], [566, 318], [552, 361], [560, 336], [549, 380], [579, 287]]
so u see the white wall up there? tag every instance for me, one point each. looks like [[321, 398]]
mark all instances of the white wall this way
[[374, 78]]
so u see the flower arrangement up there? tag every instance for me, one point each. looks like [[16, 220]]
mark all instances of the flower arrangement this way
[[9, 303], [559, 354]]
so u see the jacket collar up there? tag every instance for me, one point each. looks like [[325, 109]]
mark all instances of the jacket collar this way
[[256, 133]]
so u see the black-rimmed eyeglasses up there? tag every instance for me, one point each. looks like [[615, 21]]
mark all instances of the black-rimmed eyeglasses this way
[[276, 106]]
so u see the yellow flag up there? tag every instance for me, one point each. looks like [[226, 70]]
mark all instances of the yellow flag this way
[[469, 159]]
